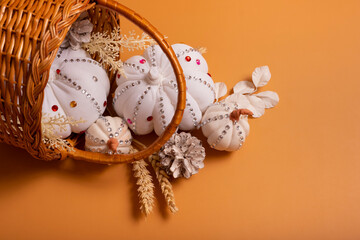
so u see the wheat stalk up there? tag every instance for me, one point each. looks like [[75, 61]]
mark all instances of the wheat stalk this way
[[145, 186], [164, 182]]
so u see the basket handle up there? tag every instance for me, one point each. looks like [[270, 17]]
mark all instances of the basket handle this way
[[171, 128]]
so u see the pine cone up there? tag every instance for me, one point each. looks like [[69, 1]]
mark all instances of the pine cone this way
[[182, 155], [79, 33]]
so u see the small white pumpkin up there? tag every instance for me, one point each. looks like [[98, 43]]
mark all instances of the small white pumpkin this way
[[225, 124], [77, 88], [108, 135], [146, 95]]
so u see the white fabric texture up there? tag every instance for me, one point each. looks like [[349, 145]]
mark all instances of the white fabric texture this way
[[147, 95], [105, 128], [77, 88]]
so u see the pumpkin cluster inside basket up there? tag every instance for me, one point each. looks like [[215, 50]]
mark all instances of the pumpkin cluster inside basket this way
[[33, 35]]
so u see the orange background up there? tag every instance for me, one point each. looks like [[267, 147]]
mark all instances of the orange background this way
[[297, 176]]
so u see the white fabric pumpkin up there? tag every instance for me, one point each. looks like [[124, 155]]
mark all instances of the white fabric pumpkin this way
[[147, 95], [77, 88], [222, 129], [225, 124], [108, 135]]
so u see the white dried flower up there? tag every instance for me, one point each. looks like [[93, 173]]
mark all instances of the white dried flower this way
[[79, 33], [109, 46], [49, 124], [182, 155]]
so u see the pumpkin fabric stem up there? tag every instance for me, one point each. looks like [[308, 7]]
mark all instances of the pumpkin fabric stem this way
[[112, 143], [235, 115]]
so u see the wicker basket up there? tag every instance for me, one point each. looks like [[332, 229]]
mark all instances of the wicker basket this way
[[32, 31]]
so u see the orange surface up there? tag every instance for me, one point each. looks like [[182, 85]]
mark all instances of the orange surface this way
[[297, 177]]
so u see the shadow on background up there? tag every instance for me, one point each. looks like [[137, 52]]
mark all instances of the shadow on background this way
[[18, 169]]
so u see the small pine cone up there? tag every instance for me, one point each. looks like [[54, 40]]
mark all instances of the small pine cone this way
[[182, 155], [79, 33]]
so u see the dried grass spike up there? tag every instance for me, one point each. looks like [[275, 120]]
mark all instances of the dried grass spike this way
[[145, 186], [164, 182], [134, 42], [202, 50]]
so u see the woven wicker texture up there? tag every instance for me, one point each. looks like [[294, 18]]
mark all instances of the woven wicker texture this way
[[31, 33]]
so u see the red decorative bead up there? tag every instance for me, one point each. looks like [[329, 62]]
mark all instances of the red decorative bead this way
[[150, 118], [188, 58], [209, 74], [129, 121], [54, 108], [198, 61], [142, 61], [58, 71], [118, 75], [105, 103]]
